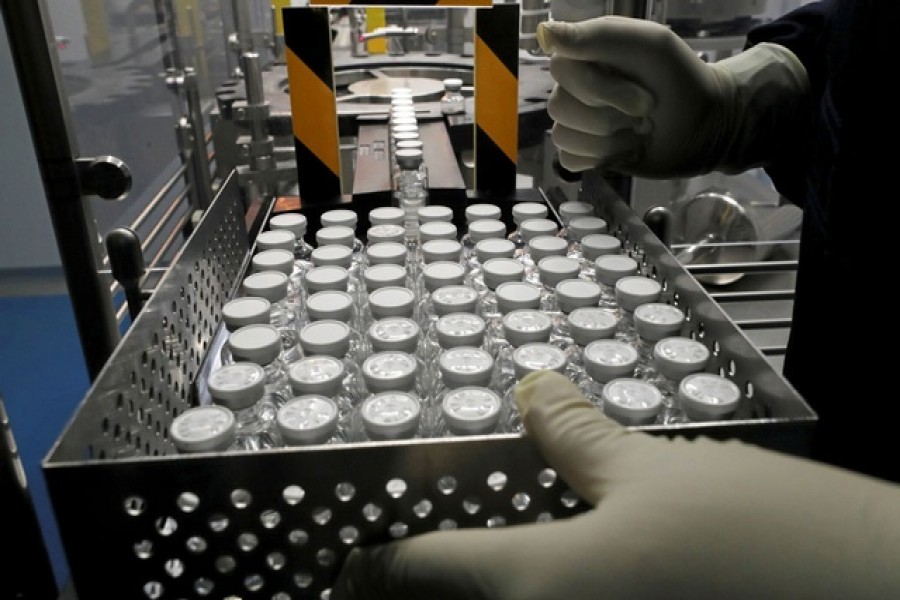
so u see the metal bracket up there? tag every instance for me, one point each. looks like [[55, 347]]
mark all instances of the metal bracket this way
[[105, 176]]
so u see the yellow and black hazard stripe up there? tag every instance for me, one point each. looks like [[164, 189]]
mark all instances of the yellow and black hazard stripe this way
[[307, 40], [496, 98], [402, 3]]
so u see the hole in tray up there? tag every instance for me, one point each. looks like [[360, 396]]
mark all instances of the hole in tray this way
[[196, 544], [326, 557], [569, 499], [497, 481], [321, 515], [143, 549], [270, 519], [396, 488], [153, 590], [748, 390], [303, 579], [471, 505], [293, 494], [135, 506], [423, 508], [447, 485], [349, 535], [166, 526], [218, 522], [371, 512], [344, 491], [732, 368], [496, 521], [546, 478], [241, 498], [298, 537], [276, 561], [544, 517], [520, 501], [174, 568], [204, 586], [398, 530], [254, 582], [247, 541], [188, 502]]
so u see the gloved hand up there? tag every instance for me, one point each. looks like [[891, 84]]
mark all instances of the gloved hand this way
[[633, 97], [671, 519]]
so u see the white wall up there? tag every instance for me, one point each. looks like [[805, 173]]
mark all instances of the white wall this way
[[26, 231]]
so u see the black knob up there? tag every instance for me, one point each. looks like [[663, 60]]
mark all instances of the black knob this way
[[126, 260]]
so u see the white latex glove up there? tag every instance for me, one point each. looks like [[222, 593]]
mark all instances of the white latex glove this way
[[632, 96], [671, 519]]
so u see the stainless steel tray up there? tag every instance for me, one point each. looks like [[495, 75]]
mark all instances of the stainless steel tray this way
[[140, 521]]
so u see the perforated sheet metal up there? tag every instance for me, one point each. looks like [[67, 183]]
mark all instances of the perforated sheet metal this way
[[140, 521]]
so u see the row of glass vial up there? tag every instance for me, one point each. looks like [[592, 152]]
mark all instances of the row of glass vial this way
[[373, 220]]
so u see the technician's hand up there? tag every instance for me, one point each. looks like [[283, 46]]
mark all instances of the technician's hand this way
[[671, 519], [632, 96]]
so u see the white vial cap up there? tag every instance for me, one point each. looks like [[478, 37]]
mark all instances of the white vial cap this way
[[328, 277], [605, 360], [273, 260], [677, 357], [307, 420], [401, 92], [471, 410], [477, 212], [435, 212], [316, 374], [436, 230], [595, 245], [282, 239], [485, 229], [501, 270], [237, 386], [554, 269], [523, 211], [580, 227], [435, 250], [339, 217], [525, 326], [207, 428], [392, 301], [332, 255], [460, 329], [485, 250], [408, 158], [453, 84], [394, 333], [330, 304], [542, 246], [631, 401], [538, 356], [706, 397], [654, 321], [576, 293], [271, 285], [591, 323], [328, 337], [390, 370], [516, 295], [401, 100], [249, 310], [466, 365], [441, 273], [385, 232], [531, 228], [409, 144], [335, 234], [260, 344], [391, 415], [634, 290], [386, 253], [573, 208], [611, 268], [386, 215], [379, 276], [294, 222], [454, 299], [404, 124]]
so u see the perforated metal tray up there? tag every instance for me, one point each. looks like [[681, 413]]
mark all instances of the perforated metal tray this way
[[140, 521]]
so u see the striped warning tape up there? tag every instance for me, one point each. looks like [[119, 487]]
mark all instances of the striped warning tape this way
[[307, 39], [496, 98], [401, 2]]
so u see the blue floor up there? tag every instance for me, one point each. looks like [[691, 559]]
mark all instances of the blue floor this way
[[42, 379]]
